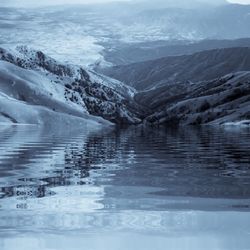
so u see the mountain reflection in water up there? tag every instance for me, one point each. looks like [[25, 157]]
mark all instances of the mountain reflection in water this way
[[133, 188]]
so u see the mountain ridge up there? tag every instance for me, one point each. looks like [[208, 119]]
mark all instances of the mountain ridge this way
[[205, 65], [124, 54]]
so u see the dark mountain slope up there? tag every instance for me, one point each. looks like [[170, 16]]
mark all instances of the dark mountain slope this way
[[223, 100], [200, 66]]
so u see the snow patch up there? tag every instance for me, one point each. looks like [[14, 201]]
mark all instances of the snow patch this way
[[243, 123]]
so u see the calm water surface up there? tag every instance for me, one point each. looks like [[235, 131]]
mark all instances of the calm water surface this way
[[129, 189]]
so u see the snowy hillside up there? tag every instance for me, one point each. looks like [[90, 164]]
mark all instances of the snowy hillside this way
[[32, 80], [27, 97]]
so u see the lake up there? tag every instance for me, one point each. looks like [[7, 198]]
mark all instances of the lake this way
[[124, 189]]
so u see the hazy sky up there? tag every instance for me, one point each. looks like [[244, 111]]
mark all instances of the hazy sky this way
[[52, 2], [240, 1], [24, 3], [55, 2]]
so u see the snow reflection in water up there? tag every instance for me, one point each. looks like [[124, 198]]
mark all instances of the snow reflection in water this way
[[124, 189]]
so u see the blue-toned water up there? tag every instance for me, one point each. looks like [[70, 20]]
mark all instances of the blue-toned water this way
[[124, 189]]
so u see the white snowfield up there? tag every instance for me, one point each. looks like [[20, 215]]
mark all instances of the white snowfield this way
[[28, 97], [14, 112]]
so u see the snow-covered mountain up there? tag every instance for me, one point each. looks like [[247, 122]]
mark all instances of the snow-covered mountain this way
[[223, 22], [37, 89]]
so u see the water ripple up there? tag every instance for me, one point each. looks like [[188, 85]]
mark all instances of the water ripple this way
[[174, 181]]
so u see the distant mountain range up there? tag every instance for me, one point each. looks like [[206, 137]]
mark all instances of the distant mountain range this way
[[128, 53], [223, 22], [180, 3]]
